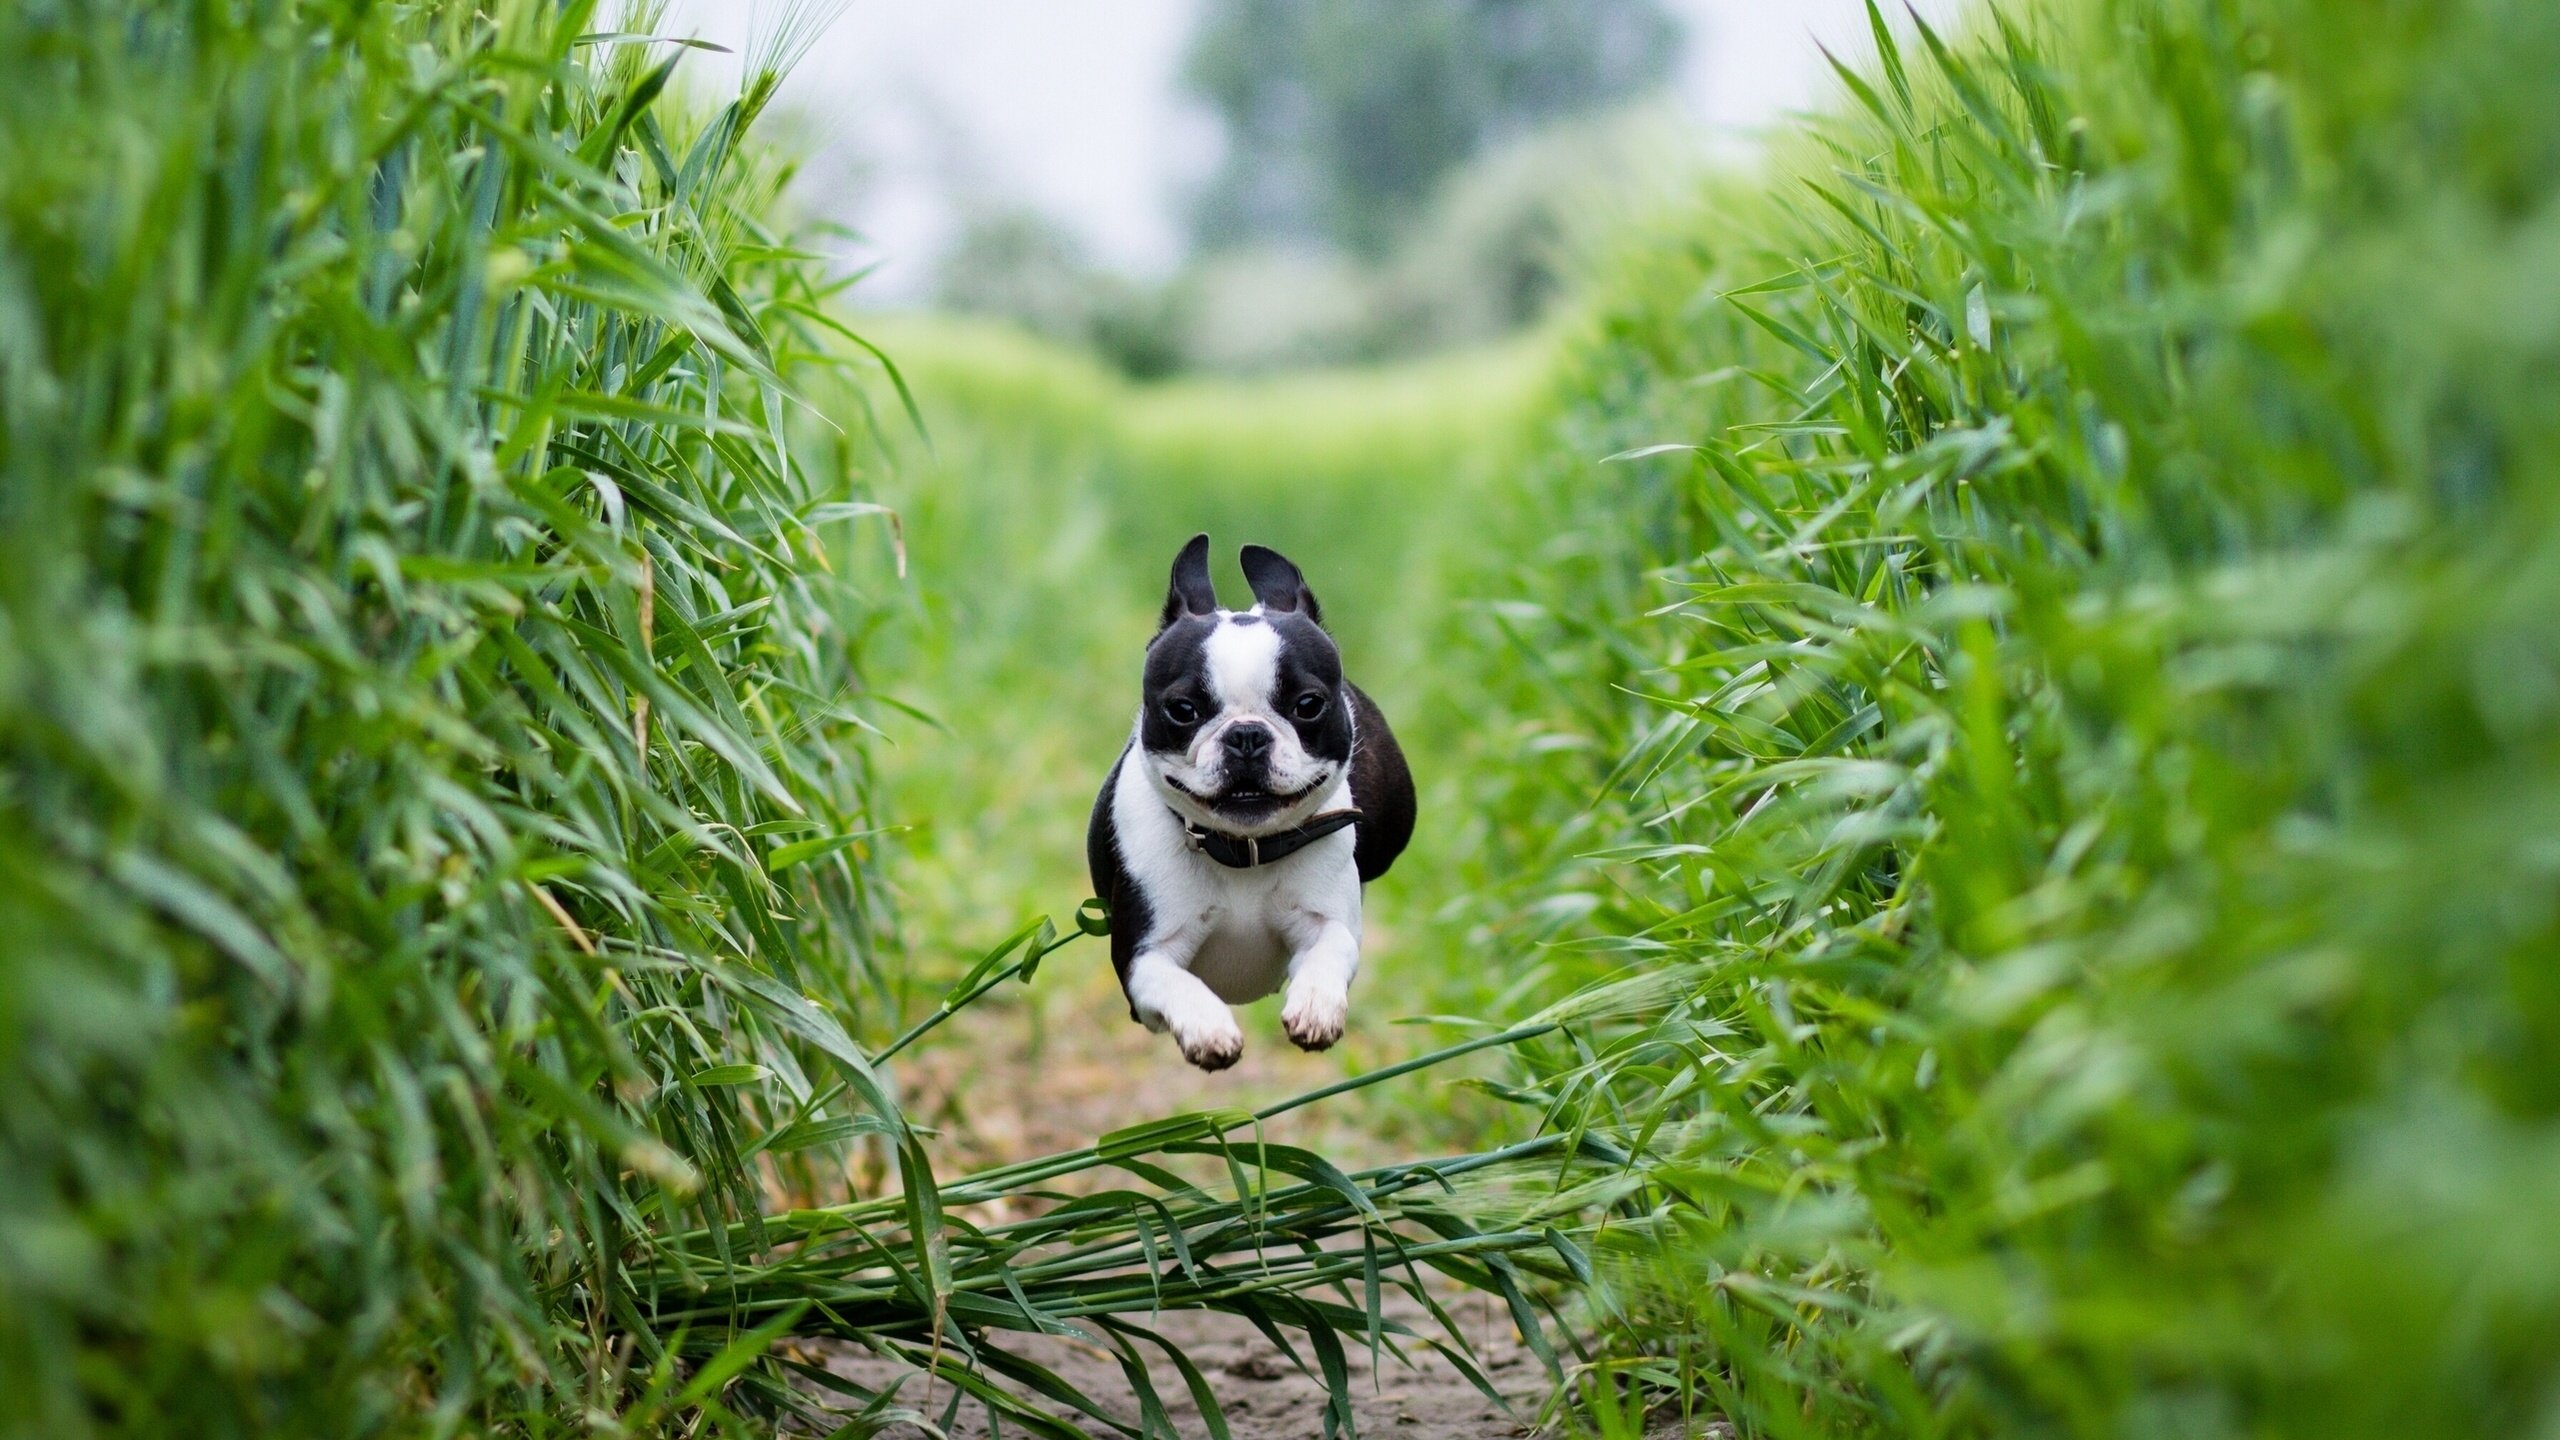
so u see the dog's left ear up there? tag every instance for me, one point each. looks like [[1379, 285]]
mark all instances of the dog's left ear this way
[[1277, 583]]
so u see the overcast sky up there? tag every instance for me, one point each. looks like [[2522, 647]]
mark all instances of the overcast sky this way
[[1075, 107]]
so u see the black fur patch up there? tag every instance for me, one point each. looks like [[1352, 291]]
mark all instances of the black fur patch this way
[[1310, 664], [1131, 917], [1383, 789], [1178, 670]]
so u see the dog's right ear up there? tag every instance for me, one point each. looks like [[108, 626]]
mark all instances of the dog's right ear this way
[[1190, 593]]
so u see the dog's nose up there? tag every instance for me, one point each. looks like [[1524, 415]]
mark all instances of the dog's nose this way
[[1247, 741]]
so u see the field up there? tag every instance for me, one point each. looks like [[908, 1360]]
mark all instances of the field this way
[[1989, 713]]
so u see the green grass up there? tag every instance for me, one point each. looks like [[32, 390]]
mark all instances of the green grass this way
[[2052, 591], [427, 760]]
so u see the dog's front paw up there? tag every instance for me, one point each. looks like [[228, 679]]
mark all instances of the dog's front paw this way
[[1216, 1051], [1211, 1046], [1314, 1016]]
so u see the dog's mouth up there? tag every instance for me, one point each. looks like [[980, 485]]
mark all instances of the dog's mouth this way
[[1246, 802]]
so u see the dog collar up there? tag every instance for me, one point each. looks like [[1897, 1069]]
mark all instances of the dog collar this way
[[1243, 852]]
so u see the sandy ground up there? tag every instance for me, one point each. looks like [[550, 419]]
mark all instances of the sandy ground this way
[[1263, 1396]]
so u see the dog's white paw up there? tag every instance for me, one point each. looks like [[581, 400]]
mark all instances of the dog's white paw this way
[[1211, 1046], [1314, 1015], [1162, 997]]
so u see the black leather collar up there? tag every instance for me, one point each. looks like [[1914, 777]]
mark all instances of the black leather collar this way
[[1243, 852]]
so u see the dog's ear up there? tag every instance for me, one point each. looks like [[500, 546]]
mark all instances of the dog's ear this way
[[1277, 583], [1190, 593]]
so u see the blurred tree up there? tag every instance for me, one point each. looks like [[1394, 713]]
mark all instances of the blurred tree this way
[[1342, 115], [1021, 265]]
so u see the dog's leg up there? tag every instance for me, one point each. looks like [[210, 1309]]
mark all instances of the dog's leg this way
[[1319, 994], [1167, 996]]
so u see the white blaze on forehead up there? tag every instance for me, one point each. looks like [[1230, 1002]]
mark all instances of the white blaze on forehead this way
[[1244, 664]]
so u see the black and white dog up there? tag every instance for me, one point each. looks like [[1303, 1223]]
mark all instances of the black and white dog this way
[[1258, 791]]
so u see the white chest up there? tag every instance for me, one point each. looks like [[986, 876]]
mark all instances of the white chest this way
[[1245, 941], [1237, 930]]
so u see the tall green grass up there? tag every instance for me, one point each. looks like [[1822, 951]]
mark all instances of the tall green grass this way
[[432, 819], [2054, 593]]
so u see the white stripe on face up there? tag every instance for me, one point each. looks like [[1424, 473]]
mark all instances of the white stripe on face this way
[[1244, 666]]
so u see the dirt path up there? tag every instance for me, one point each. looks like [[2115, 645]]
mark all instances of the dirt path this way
[[1034, 1075], [1024, 1073], [1263, 1396]]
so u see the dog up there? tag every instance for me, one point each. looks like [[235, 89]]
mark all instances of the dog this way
[[1258, 792]]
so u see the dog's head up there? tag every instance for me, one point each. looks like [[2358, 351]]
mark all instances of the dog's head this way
[[1247, 724]]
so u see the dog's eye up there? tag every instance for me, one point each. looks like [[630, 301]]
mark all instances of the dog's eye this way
[[1310, 705], [1181, 712]]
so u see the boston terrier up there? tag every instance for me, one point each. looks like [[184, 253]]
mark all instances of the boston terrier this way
[[1258, 792]]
